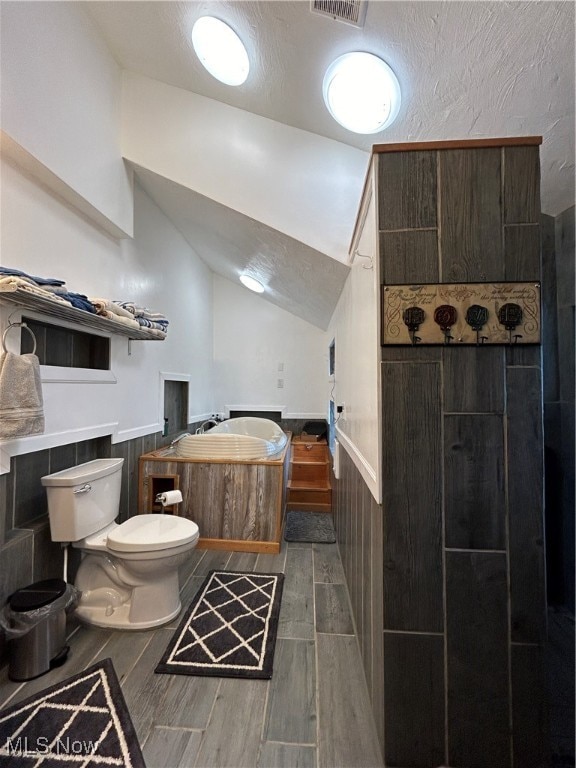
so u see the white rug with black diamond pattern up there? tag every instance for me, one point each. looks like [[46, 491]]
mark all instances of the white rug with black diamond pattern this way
[[230, 628], [82, 721]]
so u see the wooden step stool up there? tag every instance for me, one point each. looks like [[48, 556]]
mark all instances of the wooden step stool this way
[[309, 486]]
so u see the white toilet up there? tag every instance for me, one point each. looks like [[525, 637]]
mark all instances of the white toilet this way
[[128, 575]]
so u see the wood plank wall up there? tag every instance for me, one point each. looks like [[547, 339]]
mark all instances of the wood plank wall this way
[[238, 501], [452, 636]]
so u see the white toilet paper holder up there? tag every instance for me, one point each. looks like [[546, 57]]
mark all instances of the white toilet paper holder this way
[[168, 498]]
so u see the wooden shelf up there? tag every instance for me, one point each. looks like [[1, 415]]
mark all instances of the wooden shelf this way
[[26, 300]]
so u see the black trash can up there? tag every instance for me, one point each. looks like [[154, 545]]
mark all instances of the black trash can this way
[[317, 428], [35, 624]]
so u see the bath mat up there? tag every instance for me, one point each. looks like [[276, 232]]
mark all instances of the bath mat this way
[[310, 527], [81, 721], [230, 628]]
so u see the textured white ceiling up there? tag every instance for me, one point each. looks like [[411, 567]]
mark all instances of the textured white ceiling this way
[[297, 278], [467, 69]]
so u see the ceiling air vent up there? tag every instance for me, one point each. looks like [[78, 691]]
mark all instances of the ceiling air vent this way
[[350, 11]]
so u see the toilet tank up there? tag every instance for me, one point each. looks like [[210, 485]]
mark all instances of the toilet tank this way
[[83, 499]]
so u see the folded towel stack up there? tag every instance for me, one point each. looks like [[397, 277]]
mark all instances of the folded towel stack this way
[[53, 287], [145, 317], [14, 283], [105, 305], [53, 282], [112, 311], [78, 300], [127, 312]]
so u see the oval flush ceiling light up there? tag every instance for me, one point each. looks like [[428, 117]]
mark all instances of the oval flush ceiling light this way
[[220, 50], [361, 92], [252, 283]]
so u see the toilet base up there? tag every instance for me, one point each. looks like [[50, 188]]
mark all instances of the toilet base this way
[[128, 594], [96, 616]]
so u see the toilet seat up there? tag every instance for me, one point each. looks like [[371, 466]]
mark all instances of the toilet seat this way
[[152, 533]]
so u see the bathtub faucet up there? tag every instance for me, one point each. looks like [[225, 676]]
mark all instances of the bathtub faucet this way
[[201, 429], [177, 439]]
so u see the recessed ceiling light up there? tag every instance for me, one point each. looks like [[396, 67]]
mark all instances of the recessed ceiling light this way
[[220, 50], [361, 92], [252, 283]]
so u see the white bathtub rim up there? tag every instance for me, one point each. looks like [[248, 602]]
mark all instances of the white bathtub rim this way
[[220, 443], [251, 426]]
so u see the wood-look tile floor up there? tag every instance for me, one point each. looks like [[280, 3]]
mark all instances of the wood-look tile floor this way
[[313, 713]]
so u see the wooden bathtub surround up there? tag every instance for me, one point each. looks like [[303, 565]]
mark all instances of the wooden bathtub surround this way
[[237, 506], [309, 486]]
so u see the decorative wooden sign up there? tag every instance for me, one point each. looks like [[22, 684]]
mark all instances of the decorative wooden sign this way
[[461, 313]]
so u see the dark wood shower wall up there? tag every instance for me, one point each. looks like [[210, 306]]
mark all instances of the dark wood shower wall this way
[[452, 634]]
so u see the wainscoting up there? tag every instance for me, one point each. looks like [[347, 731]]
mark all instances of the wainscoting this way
[[358, 522], [27, 553]]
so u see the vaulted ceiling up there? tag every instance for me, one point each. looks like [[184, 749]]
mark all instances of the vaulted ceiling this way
[[467, 70]]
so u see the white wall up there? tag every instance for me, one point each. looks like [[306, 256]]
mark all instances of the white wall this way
[[61, 108], [61, 98], [164, 273], [233, 157], [252, 338], [68, 190], [42, 235], [354, 328]]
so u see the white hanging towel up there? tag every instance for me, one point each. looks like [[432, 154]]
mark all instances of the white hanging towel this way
[[21, 403]]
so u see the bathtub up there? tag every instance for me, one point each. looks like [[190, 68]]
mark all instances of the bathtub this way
[[246, 438], [238, 504]]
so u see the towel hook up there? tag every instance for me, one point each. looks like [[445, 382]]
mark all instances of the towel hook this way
[[17, 325], [359, 255]]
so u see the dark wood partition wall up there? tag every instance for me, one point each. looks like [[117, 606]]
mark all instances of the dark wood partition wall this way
[[463, 606]]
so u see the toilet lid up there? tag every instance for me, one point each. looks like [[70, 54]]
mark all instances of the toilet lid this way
[[149, 533]]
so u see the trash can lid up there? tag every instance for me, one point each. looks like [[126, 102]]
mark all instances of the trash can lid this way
[[319, 428], [37, 595]]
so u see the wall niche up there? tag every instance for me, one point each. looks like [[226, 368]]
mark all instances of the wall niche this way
[[175, 406]]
